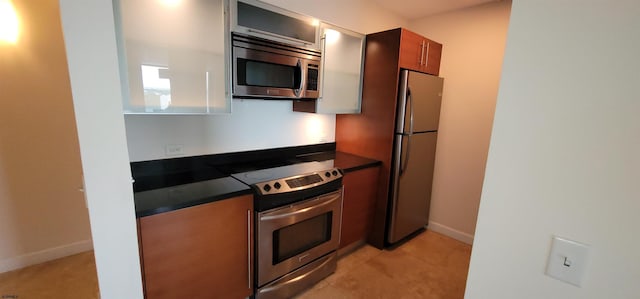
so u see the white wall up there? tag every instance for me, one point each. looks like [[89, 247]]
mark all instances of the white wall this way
[[89, 35], [255, 124], [563, 158], [473, 46], [43, 215]]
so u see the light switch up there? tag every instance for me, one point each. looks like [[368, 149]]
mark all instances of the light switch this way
[[568, 261]]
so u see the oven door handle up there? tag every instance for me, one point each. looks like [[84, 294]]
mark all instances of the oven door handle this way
[[301, 211]]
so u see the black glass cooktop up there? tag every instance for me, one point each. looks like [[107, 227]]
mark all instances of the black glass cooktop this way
[[269, 174]]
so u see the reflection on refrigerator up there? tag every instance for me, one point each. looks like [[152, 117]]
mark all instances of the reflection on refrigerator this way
[[418, 114]]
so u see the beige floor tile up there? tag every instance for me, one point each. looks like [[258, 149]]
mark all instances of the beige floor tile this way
[[325, 292], [69, 277], [430, 266]]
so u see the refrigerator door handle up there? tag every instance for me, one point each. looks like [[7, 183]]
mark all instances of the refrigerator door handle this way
[[405, 161], [410, 100]]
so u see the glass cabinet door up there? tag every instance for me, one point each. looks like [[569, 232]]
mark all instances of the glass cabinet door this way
[[342, 66], [173, 56], [257, 18]]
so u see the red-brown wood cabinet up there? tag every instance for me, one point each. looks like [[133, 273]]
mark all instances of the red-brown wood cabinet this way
[[370, 133], [419, 53], [360, 189], [204, 251]]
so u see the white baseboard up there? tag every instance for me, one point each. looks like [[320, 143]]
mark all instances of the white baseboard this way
[[450, 232], [44, 255]]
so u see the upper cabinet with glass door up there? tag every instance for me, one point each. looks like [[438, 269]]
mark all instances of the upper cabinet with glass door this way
[[174, 56], [262, 20], [342, 65]]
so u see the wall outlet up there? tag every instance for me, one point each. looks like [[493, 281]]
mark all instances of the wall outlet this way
[[173, 149], [568, 261]]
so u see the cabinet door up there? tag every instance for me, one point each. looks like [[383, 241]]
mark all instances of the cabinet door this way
[[342, 70], [174, 56], [420, 54], [257, 18], [432, 61], [342, 65], [360, 190], [205, 251], [412, 50]]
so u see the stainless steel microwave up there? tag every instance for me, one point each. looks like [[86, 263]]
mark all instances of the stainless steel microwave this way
[[268, 69]]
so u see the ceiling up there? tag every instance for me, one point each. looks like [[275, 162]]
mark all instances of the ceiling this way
[[416, 9]]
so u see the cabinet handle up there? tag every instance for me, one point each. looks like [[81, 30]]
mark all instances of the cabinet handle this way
[[426, 62], [249, 249], [421, 52], [323, 40]]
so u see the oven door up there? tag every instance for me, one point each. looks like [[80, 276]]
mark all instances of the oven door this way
[[264, 74], [292, 236]]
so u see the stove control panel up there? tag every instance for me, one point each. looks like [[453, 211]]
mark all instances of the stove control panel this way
[[298, 182]]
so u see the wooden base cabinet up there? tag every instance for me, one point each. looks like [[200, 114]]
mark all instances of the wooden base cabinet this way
[[360, 188], [205, 251]]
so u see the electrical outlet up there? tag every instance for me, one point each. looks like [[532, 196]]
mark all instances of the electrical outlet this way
[[173, 149], [568, 261]]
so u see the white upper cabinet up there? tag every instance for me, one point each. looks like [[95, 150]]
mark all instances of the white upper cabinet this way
[[174, 56], [343, 57], [342, 68]]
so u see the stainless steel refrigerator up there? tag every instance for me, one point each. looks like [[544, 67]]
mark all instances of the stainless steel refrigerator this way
[[418, 114]]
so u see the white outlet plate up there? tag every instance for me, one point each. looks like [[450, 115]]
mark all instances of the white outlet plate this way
[[173, 149], [568, 261]]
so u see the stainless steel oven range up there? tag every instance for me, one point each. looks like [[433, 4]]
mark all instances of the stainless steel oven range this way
[[298, 217]]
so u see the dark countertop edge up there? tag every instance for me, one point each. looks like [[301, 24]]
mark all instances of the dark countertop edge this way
[[350, 162], [218, 197], [374, 163]]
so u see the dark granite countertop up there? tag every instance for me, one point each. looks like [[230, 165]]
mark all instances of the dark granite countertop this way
[[350, 162], [171, 184], [181, 196]]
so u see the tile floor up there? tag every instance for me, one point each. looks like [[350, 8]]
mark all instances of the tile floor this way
[[69, 277], [428, 266]]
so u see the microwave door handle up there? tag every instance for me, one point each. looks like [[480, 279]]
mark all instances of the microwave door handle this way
[[298, 90]]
